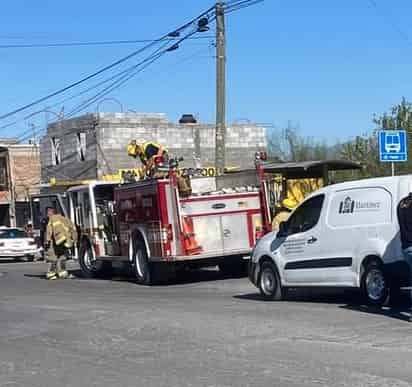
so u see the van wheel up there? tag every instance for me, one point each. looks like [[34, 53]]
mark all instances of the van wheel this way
[[91, 267], [374, 285], [141, 267], [269, 282]]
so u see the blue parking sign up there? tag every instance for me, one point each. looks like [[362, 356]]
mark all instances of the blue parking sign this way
[[392, 146]]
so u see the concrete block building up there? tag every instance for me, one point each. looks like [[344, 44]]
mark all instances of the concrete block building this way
[[94, 145], [19, 176]]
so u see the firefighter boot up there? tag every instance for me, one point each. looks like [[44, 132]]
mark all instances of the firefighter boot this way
[[51, 275], [63, 274]]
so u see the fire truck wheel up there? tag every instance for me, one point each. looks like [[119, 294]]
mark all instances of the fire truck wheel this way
[[140, 265], [92, 268]]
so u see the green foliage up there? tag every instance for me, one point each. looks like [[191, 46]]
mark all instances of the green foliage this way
[[365, 149], [288, 145]]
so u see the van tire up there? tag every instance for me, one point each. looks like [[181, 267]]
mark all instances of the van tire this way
[[269, 282], [141, 268], [90, 268], [374, 285]]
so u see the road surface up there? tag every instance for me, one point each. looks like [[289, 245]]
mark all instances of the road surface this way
[[203, 330]]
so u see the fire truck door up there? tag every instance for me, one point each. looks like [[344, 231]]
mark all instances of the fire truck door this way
[[235, 232], [39, 204], [208, 231]]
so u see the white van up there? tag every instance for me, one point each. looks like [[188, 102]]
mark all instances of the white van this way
[[344, 235]]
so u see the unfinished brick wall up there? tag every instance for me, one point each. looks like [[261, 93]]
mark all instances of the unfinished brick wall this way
[[107, 135], [25, 168]]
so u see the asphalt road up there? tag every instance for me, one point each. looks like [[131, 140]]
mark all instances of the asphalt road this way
[[202, 331]]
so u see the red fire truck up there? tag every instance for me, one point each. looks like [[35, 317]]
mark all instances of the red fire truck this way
[[148, 226]]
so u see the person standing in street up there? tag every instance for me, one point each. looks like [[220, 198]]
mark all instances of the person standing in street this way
[[405, 226], [60, 238]]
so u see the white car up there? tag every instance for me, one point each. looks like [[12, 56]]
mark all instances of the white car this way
[[343, 235], [15, 243]]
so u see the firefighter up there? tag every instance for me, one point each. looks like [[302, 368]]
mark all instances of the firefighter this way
[[282, 215], [60, 238], [147, 152]]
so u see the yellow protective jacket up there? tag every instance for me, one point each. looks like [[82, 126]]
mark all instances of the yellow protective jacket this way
[[61, 231], [148, 149], [280, 217]]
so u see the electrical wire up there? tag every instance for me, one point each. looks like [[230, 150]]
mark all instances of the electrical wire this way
[[125, 76], [240, 5], [95, 43], [115, 85], [104, 69], [394, 26], [85, 91], [118, 82]]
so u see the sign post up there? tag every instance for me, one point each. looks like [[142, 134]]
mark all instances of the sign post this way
[[392, 147]]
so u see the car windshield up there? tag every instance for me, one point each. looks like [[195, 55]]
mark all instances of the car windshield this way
[[12, 234]]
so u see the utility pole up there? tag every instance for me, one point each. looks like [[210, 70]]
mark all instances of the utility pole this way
[[12, 189], [220, 89]]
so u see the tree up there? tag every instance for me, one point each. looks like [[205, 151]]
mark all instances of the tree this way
[[288, 145], [365, 149]]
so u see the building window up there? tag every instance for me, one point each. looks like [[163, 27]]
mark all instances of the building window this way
[[81, 146], [3, 173], [56, 151]]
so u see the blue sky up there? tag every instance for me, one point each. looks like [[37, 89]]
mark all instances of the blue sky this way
[[324, 65]]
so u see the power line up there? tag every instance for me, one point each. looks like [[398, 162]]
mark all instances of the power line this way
[[85, 91], [108, 67], [236, 6], [93, 43], [127, 74], [29, 133], [126, 77], [117, 83], [394, 26], [74, 84]]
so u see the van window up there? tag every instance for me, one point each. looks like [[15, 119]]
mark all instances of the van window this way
[[306, 215]]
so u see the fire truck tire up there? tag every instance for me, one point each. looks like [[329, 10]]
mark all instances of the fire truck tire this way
[[92, 268], [141, 267]]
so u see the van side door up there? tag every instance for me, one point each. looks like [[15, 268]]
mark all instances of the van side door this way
[[301, 251]]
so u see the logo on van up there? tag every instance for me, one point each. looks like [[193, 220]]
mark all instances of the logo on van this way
[[346, 206], [349, 206]]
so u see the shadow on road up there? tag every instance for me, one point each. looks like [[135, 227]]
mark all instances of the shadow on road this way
[[182, 278], [398, 312], [312, 295], [398, 308]]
